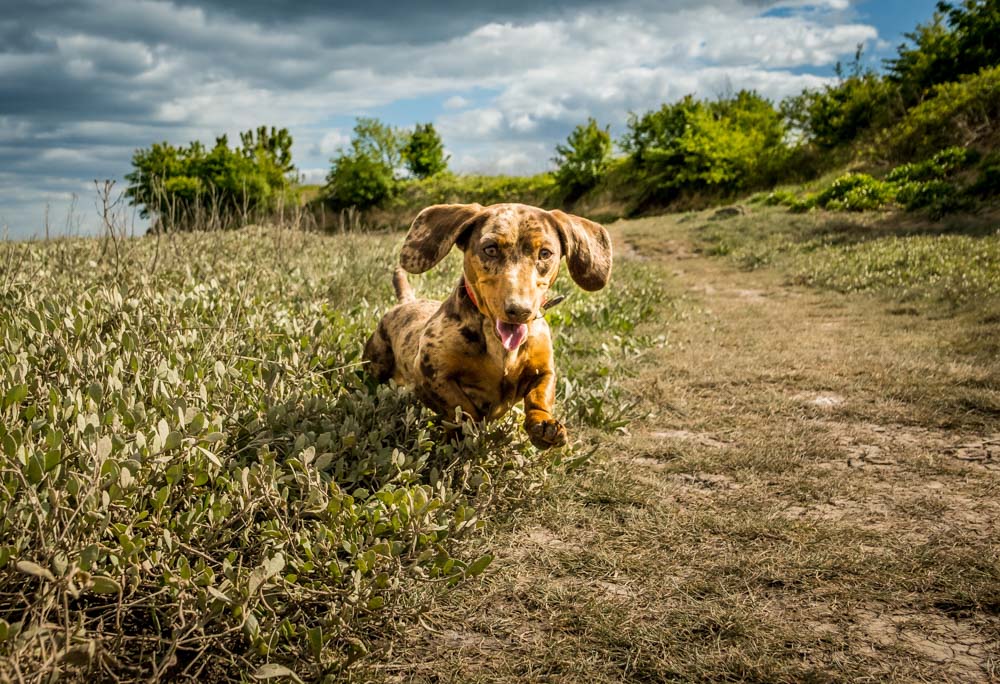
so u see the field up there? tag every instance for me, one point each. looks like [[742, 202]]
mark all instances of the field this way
[[786, 434]]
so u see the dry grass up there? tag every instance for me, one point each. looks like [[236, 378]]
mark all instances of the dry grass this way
[[812, 496]]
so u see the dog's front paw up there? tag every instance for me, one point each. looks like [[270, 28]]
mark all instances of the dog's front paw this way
[[546, 433]]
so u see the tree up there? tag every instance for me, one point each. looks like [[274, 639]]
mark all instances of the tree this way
[[694, 144], [364, 175], [424, 152], [840, 112], [584, 158], [960, 39], [275, 144]]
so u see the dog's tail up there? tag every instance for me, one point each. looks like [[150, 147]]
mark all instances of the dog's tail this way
[[404, 293]]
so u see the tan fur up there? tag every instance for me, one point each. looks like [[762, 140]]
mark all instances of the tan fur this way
[[450, 352]]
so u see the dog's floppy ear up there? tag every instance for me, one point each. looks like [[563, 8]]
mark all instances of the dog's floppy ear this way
[[433, 233], [587, 247]]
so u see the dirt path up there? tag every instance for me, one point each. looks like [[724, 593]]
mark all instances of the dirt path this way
[[806, 500]]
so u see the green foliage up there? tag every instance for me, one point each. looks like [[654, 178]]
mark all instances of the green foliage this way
[[959, 40], [445, 188], [962, 113], [988, 182], [192, 459], [838, 114], [583, 160], [696, 145], [364, 175], [856, 192], [943, 164], [423, 152], [185, 188], [952, 268], [358, 180], [927, 184]]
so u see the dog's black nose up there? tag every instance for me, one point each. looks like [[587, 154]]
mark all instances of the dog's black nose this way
[[516, 311]]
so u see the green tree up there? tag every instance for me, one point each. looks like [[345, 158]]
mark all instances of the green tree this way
[[583, 160], [423, 152], [697, 145], [364, 175], [960, 39], [839, 113]]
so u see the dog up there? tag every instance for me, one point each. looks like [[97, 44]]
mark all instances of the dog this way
[[487, 346]]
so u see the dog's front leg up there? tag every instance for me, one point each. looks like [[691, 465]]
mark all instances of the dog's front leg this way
[[445, 395], [543, 429]]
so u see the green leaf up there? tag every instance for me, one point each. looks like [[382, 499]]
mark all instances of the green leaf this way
[[15, 394], [172, 441], [316, 641], [478, 565], [95, 392]]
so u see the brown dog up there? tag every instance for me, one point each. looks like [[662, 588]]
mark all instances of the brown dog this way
[[487, 346]]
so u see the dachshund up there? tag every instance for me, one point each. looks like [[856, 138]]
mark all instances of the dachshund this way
[[487, 346]]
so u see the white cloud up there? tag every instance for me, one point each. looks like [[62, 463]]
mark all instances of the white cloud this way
[[150, 70], [333, 141], [456, 102]]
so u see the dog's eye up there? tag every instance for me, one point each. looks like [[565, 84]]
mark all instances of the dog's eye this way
[[491, 251], [544, 254]]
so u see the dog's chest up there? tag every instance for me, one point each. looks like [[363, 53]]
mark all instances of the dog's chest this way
[[496, 384]]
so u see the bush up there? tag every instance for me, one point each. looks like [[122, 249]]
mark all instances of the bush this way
[[445, 188], [583, 160], [963, 113], [359, 180], [939, 196], [856, 192], [838, 114], [695, 145], [988, 182], [188, 188], [941, 165]]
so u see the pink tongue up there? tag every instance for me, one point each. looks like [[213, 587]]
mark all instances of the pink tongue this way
[[512, 335]]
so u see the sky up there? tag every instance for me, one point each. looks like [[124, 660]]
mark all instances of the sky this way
[[83, 83]]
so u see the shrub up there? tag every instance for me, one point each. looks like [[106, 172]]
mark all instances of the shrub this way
[[583, 160], [839, 113], [856, 192], [694, 145], [959, 40], [359, 180], [988, 182], [423, 152], [962, 114], [445, 188], [186, 188], [941, 165], [939, 196]]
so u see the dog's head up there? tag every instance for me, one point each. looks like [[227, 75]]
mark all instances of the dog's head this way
[[512, 254]]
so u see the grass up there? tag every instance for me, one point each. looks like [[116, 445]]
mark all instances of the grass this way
[[775, 477], [199, 481], [807, 496], [951, 261]]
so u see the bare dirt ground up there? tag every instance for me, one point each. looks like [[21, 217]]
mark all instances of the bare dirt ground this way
[[812, 495]]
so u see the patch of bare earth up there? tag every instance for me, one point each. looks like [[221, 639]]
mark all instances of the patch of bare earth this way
[[807, 496]]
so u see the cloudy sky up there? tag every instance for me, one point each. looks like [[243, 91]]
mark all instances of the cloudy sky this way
[[85, 82]]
